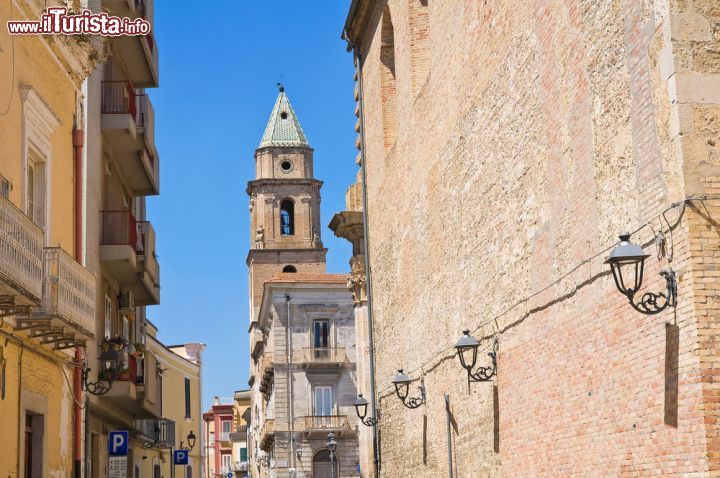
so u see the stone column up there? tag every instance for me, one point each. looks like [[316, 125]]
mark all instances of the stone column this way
[[349, 225]]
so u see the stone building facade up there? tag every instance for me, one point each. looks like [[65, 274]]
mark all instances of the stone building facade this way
[[505, 145], [302, 329]]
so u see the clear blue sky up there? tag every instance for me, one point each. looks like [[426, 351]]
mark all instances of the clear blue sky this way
[[219, 64]]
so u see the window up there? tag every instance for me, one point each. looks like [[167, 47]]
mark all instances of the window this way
[[226, 459], [35, 192], [5, 188], [108, 317], [188, 471], [188, 413], [156, 471], [287, 217], [387, 79], [323, 401], [289, 269], [243, 454], [321, 333]]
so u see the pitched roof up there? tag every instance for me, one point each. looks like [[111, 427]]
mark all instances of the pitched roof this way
[[283, 127], [301, 277]]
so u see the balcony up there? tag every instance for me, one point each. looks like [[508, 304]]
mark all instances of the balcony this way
[[324, 357], [267, 434], [137, 389], [156, 433], [68, 296], [138, 53], [128, 124], [127, 250], [21, 255], [320, 426]]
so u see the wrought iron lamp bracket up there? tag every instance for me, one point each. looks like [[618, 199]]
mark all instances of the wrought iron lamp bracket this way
[[651, 303], [101, 387], [416, 402], [485, 374]]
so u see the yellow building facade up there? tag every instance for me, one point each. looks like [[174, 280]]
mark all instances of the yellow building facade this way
[[47, 298], [181, 377]]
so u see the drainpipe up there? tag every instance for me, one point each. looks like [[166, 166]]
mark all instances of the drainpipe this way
[[78, 139], [288, 355], [368, 282]]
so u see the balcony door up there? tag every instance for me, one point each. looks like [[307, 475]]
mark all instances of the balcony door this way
[[321, 338], [323, 407]]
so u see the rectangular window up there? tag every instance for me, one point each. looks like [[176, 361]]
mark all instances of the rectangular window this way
[[323, 401], [108, 317], [226, 460], [188, 406], [321, 332], [35, 193], [243, 454]]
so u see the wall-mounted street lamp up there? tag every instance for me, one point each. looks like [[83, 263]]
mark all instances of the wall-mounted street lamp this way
[[402, 389], [467, 350], [627, 262], [191, 438], [110, 361], [332, 446], [361, 408]]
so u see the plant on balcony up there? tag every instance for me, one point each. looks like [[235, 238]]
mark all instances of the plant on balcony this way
[[136, 349], [116, 343]]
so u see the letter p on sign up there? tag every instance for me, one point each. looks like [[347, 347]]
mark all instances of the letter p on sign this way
[[118, 443]]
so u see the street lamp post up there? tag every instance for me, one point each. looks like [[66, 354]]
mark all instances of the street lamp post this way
[[332, 446]]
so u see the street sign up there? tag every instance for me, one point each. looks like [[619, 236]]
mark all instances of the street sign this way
[[118, 443], [117, 467], [229, 475], [180, 457]]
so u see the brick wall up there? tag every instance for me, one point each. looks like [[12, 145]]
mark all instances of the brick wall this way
[[544, 129]]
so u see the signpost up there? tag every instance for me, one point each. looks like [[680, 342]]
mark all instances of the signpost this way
[[117, 451]]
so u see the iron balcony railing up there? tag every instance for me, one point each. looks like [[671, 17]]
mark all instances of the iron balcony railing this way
[[118, 97], [159, 433], [21, 250], [146, 243], [267, 433], [324, 355], [68, 289], [322, 422]]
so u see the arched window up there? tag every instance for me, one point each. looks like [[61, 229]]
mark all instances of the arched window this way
[[419, 43], [289, 269], [387, 79], [322, 467], [287, 217]]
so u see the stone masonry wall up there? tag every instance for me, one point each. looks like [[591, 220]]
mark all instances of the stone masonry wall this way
[[544, 129]]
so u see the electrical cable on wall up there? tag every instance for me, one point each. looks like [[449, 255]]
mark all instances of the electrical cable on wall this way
[[449, 352]]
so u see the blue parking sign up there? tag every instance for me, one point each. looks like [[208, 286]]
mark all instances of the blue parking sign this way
[[180, 457], [118, 443]]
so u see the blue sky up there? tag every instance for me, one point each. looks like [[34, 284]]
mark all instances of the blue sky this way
[[218, 70]]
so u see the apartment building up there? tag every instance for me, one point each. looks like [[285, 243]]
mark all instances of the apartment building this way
[[302, 333], [122, 169], [218, 427], [181, 371], [47, 295]]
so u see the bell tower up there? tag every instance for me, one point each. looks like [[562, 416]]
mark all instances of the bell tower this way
[[284, 204]]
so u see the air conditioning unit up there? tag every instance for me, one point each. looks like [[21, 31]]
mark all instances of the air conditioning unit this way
[[127, 302]]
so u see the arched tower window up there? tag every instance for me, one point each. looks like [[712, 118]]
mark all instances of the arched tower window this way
[[289, 269], [287, 217], [387, 79]]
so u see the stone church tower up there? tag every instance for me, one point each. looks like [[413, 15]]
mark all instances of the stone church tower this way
[[284, 204]]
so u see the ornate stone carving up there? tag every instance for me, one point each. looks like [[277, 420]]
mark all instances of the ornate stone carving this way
[[356, 284], [260, 237]]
